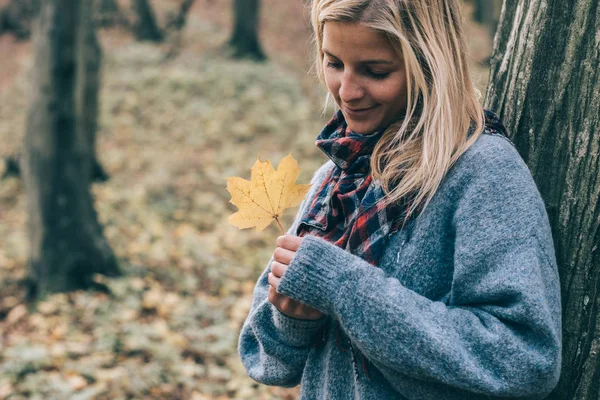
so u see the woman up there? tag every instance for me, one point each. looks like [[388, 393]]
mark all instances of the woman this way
[[421, 265]]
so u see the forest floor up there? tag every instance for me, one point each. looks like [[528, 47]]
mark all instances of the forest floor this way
[[171, 131]]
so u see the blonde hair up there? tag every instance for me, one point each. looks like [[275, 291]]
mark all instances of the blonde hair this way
[[414, 154]]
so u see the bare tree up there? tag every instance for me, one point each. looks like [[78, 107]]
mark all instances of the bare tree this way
[[545, 82], [244, 41], [145, 27], [90, 57], [12, 166], [178, 20], [89, 64], [486, 13], [175, 27], [16, 17], [108, 13], [67, 246]]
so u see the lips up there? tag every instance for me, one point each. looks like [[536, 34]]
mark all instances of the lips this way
[[357, 112]]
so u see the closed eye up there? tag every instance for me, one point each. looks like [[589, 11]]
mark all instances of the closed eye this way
[[377, 75]]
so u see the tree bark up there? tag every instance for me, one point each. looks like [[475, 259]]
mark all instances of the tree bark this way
[[89, 63], [145, 26], [67, 246], [90, 58], [244, 40], [545, 83]]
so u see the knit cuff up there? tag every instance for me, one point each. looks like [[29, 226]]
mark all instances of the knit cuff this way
[[314, 275], [296, 332]]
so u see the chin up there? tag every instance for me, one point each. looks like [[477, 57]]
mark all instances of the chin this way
[[362, 128]]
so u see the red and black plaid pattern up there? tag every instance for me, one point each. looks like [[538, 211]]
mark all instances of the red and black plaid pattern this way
[[348, 210]]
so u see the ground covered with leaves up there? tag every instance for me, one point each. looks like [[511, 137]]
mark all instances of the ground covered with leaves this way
[[172, 130]]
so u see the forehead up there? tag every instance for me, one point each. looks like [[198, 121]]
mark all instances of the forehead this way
[[355, 39]]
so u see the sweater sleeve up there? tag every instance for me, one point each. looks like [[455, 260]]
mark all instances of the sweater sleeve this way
[[499, 332], [272, 346]]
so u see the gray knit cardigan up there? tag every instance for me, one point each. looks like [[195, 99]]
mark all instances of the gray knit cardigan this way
[[465, 303]]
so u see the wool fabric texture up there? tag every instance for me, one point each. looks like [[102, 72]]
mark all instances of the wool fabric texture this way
[[464, 302], [349, 210]]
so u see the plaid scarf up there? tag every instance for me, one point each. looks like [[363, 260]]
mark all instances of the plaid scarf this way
[[348, 210]]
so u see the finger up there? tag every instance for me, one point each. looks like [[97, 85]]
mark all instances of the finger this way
[[289, 242], [278, 269], [310, 313], [273, 295], [273, 280], [278, 300], [288, 306], [283, 256]]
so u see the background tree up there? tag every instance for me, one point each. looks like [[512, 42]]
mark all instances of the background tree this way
[[486, 13], [176, 23], [16, 17], [89, 64], [244, 41], [145, 27], [108, 13], [20, 14], [67, 246], [545, 83]]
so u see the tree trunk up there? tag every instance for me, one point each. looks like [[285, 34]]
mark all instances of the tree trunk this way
[[484, 11], [145, 26], [545, 83], [90, 85], [485, 14], [17, 17], [178, 21], [108, 13], [67, 246], [174, 29], [244, 41], [12, 167], [89, 62]]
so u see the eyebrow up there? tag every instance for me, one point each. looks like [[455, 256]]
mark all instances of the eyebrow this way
[[364, 62]]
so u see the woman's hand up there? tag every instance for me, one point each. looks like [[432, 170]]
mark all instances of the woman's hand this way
[[287, 246]]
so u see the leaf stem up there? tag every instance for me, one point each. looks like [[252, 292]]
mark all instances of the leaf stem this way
[[280, 227]]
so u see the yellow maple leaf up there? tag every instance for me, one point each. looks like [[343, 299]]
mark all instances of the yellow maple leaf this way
[[266, 195]]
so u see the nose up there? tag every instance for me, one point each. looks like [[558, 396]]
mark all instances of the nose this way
[[350, 88]]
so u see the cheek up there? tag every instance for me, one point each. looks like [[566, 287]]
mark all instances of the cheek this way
[[393, 94], [331, 81]]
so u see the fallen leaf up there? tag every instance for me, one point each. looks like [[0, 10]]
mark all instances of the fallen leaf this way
[[267, 195], [77, 382], [6, 390], [198, 396], [16, 314]]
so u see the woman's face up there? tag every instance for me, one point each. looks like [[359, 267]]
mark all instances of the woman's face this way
[[364, 74]]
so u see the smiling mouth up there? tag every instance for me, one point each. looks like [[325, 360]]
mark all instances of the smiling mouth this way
[[359, 109], [357, 112]]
